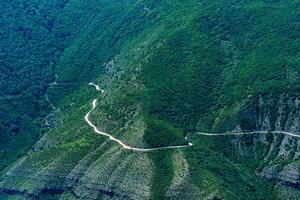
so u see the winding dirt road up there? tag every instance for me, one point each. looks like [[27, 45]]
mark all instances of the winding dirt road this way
[[125, 146], [249, 133]]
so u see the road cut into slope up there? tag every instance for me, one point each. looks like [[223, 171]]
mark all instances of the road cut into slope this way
[[249, 133], [125, 146]]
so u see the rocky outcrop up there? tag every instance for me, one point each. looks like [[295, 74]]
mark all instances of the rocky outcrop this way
[[281, 114], [288, 175], [278, 154], [291, 174]]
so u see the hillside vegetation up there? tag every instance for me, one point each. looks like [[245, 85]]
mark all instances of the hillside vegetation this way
[[169, 69]]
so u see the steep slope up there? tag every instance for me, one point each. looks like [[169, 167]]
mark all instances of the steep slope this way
[[170, 69], [29, 52]]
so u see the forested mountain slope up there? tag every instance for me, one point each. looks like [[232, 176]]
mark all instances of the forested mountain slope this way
[[169, 70], [29, 51]]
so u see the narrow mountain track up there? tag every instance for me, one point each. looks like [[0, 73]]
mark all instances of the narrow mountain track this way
[[125, 146], [46, 95], [249, 133]]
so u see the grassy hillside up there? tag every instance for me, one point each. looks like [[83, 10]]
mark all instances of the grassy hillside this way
[[169, 69]]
